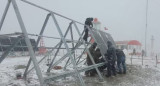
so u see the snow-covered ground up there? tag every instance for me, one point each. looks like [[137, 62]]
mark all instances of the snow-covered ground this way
[[137, 75]]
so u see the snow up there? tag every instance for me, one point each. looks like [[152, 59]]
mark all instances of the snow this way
[[137, 75]]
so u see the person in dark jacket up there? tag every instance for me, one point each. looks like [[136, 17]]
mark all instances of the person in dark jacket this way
[[96, 58], [111, 58], [97, 55], [101, 68], [88, 60], [89, 23], [121, 61]]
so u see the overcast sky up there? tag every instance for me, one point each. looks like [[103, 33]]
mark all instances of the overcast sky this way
[[125, 19]]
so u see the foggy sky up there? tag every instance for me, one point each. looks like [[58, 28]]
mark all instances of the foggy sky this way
[[125, 19]]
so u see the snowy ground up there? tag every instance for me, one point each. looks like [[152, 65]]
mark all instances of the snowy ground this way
[[137, 75]]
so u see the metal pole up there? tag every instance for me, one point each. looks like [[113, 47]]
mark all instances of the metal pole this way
[[131, 60], [39, 37], [70, 55], [146, 28], [30, 48], [5, 13], [152, 46], [156, 60]]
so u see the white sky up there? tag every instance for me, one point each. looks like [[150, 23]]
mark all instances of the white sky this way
[[126, 19]]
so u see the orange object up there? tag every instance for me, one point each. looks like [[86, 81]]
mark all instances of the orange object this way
[[57, 67], [105, 28], [95, 20], [92, 40], [42, 48]]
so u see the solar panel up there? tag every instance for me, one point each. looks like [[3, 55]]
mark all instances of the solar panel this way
[[101, 39]]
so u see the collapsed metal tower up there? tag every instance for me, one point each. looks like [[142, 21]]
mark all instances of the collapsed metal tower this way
[[100, 38]]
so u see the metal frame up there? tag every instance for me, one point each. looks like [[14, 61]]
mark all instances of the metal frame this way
[[67, 48], [58, 48], [72, 58], [21, 23]]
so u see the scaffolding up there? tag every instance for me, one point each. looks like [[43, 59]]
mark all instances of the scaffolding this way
[[99, 37]]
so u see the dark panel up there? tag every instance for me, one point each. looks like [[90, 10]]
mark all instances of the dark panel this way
[[21, 46]]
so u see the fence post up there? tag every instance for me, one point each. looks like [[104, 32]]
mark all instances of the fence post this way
[[142, 59], [156, 60], [131, 59]]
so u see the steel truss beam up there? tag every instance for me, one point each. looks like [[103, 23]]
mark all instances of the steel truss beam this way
[[48, 70], [70, 73], [30, 3], [67, 48], [70, 51]]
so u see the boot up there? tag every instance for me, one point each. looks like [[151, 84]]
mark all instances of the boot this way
[[108, 75], [119, 72]]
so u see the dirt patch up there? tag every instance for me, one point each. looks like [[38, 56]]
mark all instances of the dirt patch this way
[[19, 67]]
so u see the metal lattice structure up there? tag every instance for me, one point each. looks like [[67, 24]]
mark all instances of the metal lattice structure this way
[[100, 38]]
